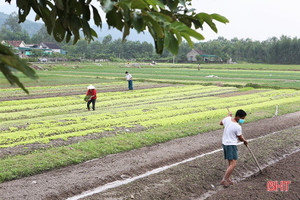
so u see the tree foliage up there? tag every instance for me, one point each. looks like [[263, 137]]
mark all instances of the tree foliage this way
[[12, 30], [9, 61], [168, 21], [42, 36], [283, 50]]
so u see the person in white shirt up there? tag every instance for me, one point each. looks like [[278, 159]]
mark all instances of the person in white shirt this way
[[129, 79], [232, 133]]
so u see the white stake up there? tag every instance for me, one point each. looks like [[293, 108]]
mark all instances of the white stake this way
[[276, 113]]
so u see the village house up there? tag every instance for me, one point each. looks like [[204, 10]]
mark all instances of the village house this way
[[25, 50], [50, 45], [14, 43], [192, 55]]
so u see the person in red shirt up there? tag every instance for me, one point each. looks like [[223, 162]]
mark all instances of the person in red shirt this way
[[91, 91]]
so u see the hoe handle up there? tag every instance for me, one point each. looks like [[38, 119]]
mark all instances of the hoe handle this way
[[254, 158]]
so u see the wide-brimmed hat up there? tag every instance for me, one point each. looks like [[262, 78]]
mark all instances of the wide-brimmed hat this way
[[91, 87]]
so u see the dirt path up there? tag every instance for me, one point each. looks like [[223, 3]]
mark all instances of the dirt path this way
[[66, 182]]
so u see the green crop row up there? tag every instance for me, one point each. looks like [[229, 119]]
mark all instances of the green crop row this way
[[50, 106], [147, 115]]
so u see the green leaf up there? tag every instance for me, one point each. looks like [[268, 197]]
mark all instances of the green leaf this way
[[68, 37], [139, 4], [93, 33], [59, 4], [86, 29], [97, 18], [178, 36], [86, 13], [53, 15], [127, 15], [172, 4], [125, 3], [42, 3], [220, 18], [126, 31], [37, 17], [155, 26], [161, 17], [179, 26], [197, 24], [171, 43], [11, 78], [188, 39], [75, 26], [208, 19], [114, 19], [8, 60], [138, 22], [59, 31], [159, 42], [155, 3], [24, 10], [195, 34]]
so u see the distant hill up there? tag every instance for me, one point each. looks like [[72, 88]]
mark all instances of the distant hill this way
[[2, 18], [116, 34], [30, 26], [33, 27]]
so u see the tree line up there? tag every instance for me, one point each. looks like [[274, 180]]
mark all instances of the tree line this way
[[283, 50]]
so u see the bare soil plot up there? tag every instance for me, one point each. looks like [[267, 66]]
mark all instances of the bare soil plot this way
[[255, 187]]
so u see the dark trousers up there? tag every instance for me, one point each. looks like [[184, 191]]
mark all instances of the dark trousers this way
[[93, 101], [130, 86]]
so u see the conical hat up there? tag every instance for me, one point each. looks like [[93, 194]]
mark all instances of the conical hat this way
[[91, 87]]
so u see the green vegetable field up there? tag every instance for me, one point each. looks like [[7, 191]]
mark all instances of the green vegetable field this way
[[52, 123]]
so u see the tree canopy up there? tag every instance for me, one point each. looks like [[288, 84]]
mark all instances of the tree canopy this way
[[168, 21], [12, 30]]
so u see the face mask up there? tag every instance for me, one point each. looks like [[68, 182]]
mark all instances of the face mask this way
[[241, 121]]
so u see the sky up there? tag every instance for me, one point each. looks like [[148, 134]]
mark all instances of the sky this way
[[254, 19]]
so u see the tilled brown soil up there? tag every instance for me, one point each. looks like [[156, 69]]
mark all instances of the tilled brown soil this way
[[66, 182], [255, 187], [202, 175]]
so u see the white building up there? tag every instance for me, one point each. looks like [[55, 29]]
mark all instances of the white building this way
[[192, 55]]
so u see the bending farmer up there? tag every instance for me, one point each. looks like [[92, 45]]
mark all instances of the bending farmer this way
[[232, 133], [93, 96], [129, 79]]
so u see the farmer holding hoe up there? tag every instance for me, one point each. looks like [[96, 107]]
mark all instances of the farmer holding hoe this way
[[129, 79], [232, 133], [91, 97]]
